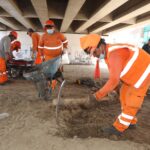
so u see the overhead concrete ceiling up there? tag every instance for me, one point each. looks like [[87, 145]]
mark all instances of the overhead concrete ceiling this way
[[74, 16]]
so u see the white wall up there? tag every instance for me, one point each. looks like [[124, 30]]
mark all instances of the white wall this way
[[22, 37], [74, 43], [74, 49], [132, 36]]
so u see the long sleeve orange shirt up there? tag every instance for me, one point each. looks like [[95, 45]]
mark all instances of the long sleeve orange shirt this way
[[35, 41], [51, 45], [116, 63]]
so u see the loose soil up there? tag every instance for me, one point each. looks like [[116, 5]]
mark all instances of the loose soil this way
[[32, 122]]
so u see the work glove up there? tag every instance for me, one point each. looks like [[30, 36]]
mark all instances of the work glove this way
[[91, 101]]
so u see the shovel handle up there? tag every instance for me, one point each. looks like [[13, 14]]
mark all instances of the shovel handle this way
[[59, 99]]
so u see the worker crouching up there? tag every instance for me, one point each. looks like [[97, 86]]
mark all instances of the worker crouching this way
[[5, 55], [125, 63]]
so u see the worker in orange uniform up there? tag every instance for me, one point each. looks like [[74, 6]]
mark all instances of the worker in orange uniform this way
[[35, 42], [5, 54], [15, 45], [125, 63], [52, 44]]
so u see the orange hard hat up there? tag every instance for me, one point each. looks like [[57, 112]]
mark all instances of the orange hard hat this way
[[90, 41], [14, 33], [15, 45], [49, 23]]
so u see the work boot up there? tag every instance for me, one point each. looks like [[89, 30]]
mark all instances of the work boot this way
[[111, 131], [132, 126]]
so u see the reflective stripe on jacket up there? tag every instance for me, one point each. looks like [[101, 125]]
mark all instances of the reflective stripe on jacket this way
[[137, 68], [52, 45]]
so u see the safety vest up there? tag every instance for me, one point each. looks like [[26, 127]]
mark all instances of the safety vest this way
[[137, 67], [52, 45]]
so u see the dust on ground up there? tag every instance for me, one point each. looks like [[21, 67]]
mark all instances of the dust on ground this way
[[32, 123]]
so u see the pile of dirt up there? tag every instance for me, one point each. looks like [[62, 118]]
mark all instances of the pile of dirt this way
[[90, 83], [77, 121], [94, 85], [31, 124]]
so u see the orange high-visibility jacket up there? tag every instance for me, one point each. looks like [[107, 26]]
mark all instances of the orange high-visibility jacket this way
[[137, 67], [127, 63], [51, 45], [35, 41]]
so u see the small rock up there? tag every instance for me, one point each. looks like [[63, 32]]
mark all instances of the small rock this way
[[75, 137], [4, 115]]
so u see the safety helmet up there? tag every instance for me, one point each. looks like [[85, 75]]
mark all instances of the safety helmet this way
[[90, 40], [14, 33], [15, 45], [49, 23]]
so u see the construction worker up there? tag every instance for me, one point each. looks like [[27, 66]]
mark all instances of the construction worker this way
[[5, 54], [125, 63], [52, 44], [51, 47], [35, 42]]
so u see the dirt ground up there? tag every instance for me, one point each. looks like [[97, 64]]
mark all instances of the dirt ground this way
[[32, 122]]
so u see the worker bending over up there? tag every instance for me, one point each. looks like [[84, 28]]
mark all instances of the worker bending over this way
[[5, 54], [127, 63]]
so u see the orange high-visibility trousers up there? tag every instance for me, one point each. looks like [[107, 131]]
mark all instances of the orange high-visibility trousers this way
[[3, 73], [53, 85], [131, 101]]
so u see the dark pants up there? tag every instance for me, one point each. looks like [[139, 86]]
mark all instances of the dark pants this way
[[41, 73]]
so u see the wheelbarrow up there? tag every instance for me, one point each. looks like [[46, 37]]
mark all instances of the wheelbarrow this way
[[43, 74], [17, 67]]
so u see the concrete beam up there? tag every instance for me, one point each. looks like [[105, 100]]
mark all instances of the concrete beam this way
[[11, 7], [81, 16], [134, 12], [103, 11], [30, 15], [72, 10], [56, 9], [140, 22], [2, 27], [130, 21], [8, 23], [107, 18], [41, 10], [4, 14]]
